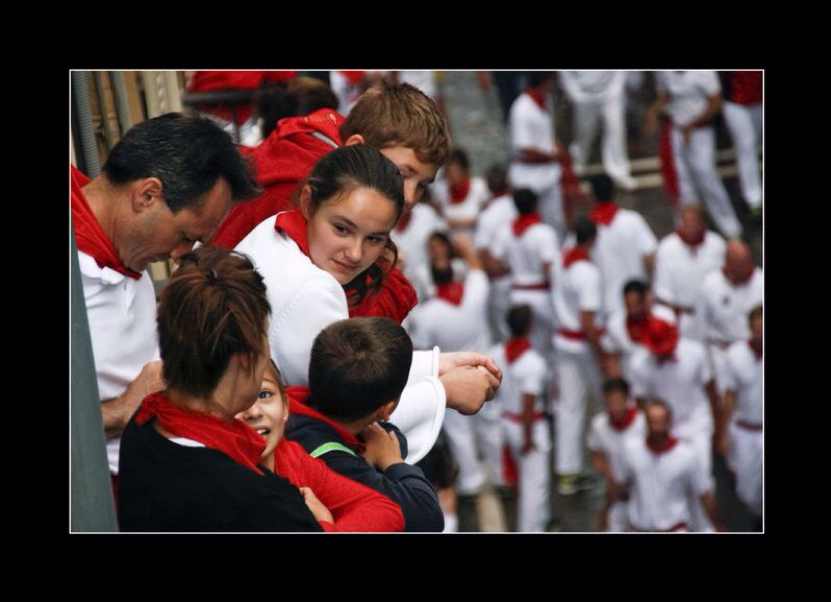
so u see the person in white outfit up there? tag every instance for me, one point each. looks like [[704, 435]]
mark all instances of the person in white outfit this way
[[665, 480], [626, 330], [498, 211], [348, 207], [743, 114], [577, 305], [535, 163], [625, 246], [530, 248], [743, 439], [597, 95], [692, 99], [607, 437], [684, 259], [460, 196], [520, 401]]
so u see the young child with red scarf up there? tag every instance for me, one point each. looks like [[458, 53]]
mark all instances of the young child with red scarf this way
[[357, 372], [522, 420], [459, 196]]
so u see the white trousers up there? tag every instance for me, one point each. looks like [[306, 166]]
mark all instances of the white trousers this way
[[745, 460], [533, 510], [587, 116], [579, 377], [466, 436], [499, 302], [698, 431], [698, 180], [745, 125]]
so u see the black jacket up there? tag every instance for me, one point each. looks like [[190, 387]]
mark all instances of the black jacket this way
[[164, 486], [402, 483]]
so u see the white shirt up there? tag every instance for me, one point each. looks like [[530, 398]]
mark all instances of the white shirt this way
[[662, 486], [743, 375], [603, 437], [304, 300], [616, 339], [531, 127], [618, 253], [527, 375], [121, 313], [527, 254], [723, 308], [688, 92], [593, 86], [679, 272], [680, 384], [412, 242], [452, 327], [575, 290], [469, 208], [499, 212]]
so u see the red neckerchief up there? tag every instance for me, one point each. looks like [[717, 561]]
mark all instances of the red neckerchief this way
[[89, 236], [625, 422], [233, 438], [661, 339], [459, 192], [394, 301], [736, 282], [757, 351], [661, 448], [574, 255], [515, 347], [354, 77], [637, 329], [452, 292], [404, 221], [299, 396], [294, 225], [538, 97], [693, 243], [603, 213], [523, 222]]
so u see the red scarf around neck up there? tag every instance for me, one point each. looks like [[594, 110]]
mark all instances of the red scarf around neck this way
[[89, 236], [233, 438], [515, 347], [661, 448], [294, 225], [523, 222], [625, 422], [575, 254], [459, 192], [637, 329], [691, 242], [452, 292], [661, 339], [757, 350], [298, 398], [603, 213], [538, 97]]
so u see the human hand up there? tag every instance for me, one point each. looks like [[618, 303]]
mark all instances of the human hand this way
[[449, 361], [468, 387], [321, 512], [382, 448]]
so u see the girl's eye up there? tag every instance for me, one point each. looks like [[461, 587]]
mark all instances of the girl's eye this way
[[376, 240], [264, 394], [340, 229]]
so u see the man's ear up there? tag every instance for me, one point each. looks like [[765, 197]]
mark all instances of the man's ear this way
[[306, 202], [146, 192], [354, 139], [384, 412]]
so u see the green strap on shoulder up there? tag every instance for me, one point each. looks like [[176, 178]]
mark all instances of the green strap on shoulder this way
[[331, 446]]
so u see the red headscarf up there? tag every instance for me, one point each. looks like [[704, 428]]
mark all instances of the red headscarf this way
[[603, 213], [452, 292], [89, 236], [515, 347], [523, 222], [233, 438], [574, 255], [458, 193], [661, 337], [298, 398]]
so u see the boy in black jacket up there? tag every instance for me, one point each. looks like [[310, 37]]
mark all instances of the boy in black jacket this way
[[357, 372]]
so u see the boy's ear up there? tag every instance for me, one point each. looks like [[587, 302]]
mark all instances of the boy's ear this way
[[354, 139], [306, 202], [384, 412]]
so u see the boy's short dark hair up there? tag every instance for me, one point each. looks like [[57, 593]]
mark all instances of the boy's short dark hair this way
[[635, 286], [616, 384], [459, 157], [585, 230], [357, 366], [519, 320], [603, 188], [525, 200], [497, 179]]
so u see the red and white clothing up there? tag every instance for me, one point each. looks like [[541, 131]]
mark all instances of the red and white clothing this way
[[347, 87], [526, 245], [411, 235], [680, 268], [609, 438], [742, 110], [664, 486], [121, 309], [743, 375], [577, 289], [599, 95], [524, 371], [499, 212], [694, 162], [531, 126], [304, 300], [623, 336], [462, 203], [623, 240]]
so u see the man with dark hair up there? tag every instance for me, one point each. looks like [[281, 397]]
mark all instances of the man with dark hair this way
[[625, 329], [459, 196], [357, 372], [167, 183], [625, 246]]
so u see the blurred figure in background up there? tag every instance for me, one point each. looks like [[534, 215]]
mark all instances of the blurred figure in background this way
[[460, 196], [300, 96], [626, 330]]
